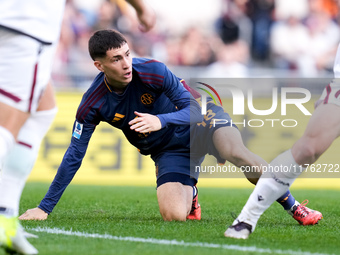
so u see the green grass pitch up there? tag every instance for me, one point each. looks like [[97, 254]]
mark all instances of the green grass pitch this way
[[126, 220]]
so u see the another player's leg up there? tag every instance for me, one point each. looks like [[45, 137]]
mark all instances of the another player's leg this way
[[299, 211], [15, 173], [228, 142], [14, 75], [323, 128], [267, 190], [11, 120], [11, 235]]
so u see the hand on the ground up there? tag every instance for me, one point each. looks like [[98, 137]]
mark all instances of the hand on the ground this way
[[34, 214]]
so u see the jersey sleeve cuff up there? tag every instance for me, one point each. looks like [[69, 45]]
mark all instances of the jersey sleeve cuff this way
[[163, 120], [44, 209]]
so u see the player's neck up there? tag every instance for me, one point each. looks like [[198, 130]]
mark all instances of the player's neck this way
[[117, 88]]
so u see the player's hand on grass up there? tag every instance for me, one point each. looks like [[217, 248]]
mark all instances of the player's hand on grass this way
[[34, 214], [145, 123]]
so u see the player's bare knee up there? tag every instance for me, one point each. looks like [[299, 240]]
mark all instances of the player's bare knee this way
[[173, 212], [174, 215], [306, 152]]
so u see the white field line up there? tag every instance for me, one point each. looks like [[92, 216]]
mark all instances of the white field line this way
[[169, 242]]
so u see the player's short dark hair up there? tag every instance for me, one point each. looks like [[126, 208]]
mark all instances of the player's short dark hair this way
[[104, 40]]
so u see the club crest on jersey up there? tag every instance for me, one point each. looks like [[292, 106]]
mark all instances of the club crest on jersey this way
[[78, 129], [147, 99]]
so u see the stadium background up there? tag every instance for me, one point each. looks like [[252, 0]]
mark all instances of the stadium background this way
[[226, 39]]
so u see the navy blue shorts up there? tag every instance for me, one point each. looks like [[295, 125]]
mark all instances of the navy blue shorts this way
[[176, 177], [173, 161], [201, 135], [181, 155]]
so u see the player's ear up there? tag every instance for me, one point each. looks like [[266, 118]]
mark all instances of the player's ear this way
[[98, 65]]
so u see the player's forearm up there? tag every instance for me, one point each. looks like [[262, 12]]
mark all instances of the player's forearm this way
[[186, 116], [66, 171], [62, 179], [52, 197], [189, 110]]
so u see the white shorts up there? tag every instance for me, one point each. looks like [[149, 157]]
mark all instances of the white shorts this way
[[25, 69], [331, 94]]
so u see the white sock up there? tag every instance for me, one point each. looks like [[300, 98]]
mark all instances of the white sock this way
[[19, 162], [270, 187], [194, 193], [6, 143]]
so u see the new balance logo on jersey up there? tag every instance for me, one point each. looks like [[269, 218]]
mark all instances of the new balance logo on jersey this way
[[118, 117]]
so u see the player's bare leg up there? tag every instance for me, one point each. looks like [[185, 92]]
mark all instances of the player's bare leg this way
[[174, 200], [12, 119], [322, 129], [11, 236], [15, 173], [228, 142], [46, 103]]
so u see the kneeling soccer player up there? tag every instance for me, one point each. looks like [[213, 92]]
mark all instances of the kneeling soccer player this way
[[168, 126]]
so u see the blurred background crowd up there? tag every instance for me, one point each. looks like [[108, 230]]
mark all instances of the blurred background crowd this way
[[232, 38]]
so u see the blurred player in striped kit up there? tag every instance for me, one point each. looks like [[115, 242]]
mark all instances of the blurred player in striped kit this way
[[29, 33]]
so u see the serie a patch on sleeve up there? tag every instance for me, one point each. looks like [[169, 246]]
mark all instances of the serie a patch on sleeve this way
[[78, 129]]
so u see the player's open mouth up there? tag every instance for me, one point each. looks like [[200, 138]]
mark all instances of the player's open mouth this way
[[128, 74]]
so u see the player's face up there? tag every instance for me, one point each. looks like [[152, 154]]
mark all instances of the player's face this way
[[117, 66]]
